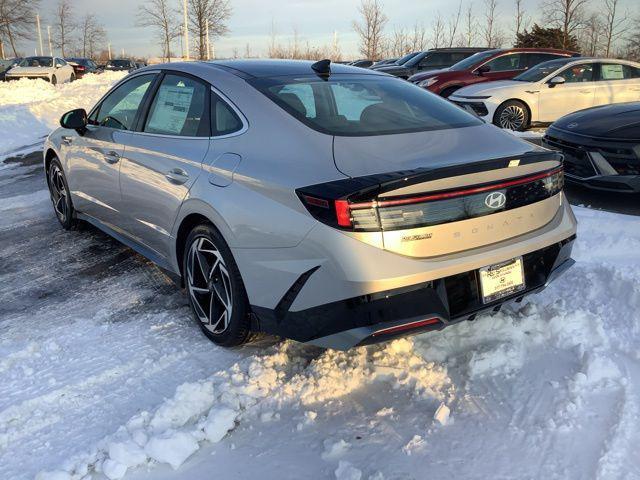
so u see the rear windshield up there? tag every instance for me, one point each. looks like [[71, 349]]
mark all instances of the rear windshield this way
[[406, 58], [537, 73], [469, 62], [119, 63], [359, 105], [36, 62]]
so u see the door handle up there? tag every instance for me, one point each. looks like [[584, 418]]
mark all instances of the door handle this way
[[66, 139], [112, 157], [177, 176]]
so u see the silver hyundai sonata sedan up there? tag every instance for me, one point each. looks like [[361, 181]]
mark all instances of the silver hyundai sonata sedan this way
[[320, 202]]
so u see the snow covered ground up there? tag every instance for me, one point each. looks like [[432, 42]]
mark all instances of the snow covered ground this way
[[103, 373], [30, 109]]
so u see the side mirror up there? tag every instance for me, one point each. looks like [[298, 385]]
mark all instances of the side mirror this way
[[483, 69], [75, 120], [556, 81]]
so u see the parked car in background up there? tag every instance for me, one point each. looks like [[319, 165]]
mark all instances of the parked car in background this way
[[601, 146], [400, 61], [52, 69], [434, 59], [141, 64], [386, 61], [362, 63], [490, 65], [551, 90], [406, 215], [83, 65], [120, 64], [5, 65]]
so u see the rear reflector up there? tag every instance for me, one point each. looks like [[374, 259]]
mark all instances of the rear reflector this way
[[406, 326]]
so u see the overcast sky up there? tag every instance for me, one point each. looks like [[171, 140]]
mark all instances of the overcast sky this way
[[250, 23]]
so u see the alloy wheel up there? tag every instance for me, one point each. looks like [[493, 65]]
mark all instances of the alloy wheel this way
[[512, 117], [209, 285], [58, 191]]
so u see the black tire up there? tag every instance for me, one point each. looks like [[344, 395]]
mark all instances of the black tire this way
[[54, 80], [446, 93], [203, 239], [72, 78], [61, 196], [512, 115]]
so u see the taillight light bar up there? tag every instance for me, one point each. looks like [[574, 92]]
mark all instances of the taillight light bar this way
[[376, 215]]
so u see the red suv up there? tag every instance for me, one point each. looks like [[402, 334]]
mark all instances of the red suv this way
[[499, 64]]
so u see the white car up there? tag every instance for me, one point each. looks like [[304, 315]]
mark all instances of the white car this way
[[52, 69], [551, 90]]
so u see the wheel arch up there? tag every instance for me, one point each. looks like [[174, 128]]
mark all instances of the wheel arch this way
[[192, 214], [49, 155]]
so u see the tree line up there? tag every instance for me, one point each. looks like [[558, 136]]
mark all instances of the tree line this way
[[601, 28], [86, 36]]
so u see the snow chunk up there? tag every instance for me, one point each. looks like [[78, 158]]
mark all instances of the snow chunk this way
[[127, 453], [113, 470], [346, 471], [442, 414], [219, 422], [333, 450], [190, 400], [417, 443], [172, 448]]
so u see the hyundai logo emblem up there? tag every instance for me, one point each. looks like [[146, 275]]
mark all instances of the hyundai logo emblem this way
[[495, 200], [572, 125]]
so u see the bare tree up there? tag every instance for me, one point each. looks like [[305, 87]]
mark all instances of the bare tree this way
[[522, 19], [418, 38], [614, 27], [632, 47], [92, 33], [158, 15], [211, 14], [17, 21], [568, 15], [590, 35], [491, 32], [452, 29], [64, 24], [437, 39], [370, 28], [471, 26]]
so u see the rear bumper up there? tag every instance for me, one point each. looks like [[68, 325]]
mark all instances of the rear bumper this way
[[409, 310]]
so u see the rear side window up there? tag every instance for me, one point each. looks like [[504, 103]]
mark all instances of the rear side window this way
[[179, 108], [224, 119], [618, 71], [533, 59], [506, 63], [354, 105]]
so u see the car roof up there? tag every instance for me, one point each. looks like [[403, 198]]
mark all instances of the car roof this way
[[253, 68]]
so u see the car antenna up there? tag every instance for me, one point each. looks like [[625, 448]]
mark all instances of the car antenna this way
[[322, 68]]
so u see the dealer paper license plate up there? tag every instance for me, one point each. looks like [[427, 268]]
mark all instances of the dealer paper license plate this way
[[501, 280]]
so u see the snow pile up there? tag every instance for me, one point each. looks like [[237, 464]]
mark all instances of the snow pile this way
[[30, 109], [253, 389]]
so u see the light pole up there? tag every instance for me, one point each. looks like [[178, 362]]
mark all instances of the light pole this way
[[50, 44], [186, 29], [39, 33], [109, 46], [208, 44]]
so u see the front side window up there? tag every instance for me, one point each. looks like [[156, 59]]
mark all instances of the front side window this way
[[534, 59], [119, 109], [506, 63], [354, 105], [179, 108], [436, 59], [578, 73]]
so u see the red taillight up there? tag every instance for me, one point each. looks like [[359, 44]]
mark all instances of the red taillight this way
[[343, 213], [406, 326], [80, 68]]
